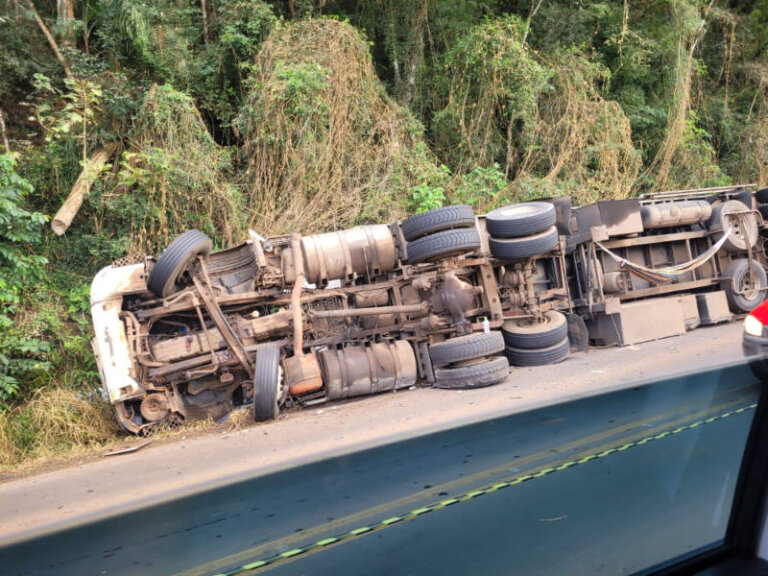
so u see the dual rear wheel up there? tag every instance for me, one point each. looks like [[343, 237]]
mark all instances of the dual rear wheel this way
[[469, 361], [440, 233], [521, 231], [536, 343]]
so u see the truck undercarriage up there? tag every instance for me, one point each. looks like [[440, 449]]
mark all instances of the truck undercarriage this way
[[444, 297]]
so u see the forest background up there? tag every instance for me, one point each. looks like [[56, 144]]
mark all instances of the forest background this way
[[311, 115]]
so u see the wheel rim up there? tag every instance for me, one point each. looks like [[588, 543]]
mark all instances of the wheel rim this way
[[733, 224], [746, 288]]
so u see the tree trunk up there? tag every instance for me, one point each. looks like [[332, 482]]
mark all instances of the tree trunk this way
[[5, 135], [65, 10], [203, 5], [44, 29], [82, 186]]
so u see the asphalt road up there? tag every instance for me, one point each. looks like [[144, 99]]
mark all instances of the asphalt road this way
[[80, 493], [613, 514]]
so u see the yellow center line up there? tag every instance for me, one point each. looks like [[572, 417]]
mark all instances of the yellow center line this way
[[585, 454]]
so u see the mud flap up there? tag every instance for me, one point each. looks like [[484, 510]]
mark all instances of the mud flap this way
[[578, 335]]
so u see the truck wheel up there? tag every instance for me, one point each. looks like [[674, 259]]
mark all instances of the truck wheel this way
[[737, 279], [443, 244], [521, 248], [469, 347], [485, 373], [174, 261], [533, 336], [721, 222], [518, 220], [540, 357], [445, 218], [266, 383]]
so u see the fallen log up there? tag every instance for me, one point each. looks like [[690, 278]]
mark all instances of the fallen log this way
[[82, 186]]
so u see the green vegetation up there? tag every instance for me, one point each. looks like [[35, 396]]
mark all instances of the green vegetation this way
[[310, 115], [19, 268]]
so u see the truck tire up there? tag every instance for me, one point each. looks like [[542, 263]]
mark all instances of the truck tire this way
[[540, 357], [518, 220], [523, 334], [521, 248], [437, 220], [485, 373], [174, 261], [443, 244], [737, 272], [469, 347], [266, 383], [720, 222]]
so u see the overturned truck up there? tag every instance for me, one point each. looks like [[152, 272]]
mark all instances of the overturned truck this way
[[445, 297]]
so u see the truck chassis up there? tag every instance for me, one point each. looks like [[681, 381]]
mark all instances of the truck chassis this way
[[445, 297]]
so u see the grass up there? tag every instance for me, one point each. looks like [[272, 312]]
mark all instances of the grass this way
[[55, 422], [60, 425]]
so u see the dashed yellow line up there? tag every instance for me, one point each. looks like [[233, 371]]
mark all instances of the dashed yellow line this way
[[320, 544]]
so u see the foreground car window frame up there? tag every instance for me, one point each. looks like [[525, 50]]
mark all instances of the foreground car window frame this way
[[748, 511]]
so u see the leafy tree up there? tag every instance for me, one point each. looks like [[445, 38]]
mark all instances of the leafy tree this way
[[20, 268]]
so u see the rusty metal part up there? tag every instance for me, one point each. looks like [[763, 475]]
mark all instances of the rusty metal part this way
[[433, 323], [223, 358], [490, 291], [455, 296], [410, 295], [154, 407], [371, 298], [298, 329], [423, 282], [233, 270], [375, 311], [225, 329], [530, 288], [425, 362], [258, 249], [195, 343], [516, 299], [262, 327], [357, 370], [381, 322], [302, 374], [186, 300], [512, 278]]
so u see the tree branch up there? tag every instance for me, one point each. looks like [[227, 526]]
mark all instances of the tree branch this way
[[44, 29], [534, 9]]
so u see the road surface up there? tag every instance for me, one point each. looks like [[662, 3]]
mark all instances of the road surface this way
[[64, 498], [612, 484]]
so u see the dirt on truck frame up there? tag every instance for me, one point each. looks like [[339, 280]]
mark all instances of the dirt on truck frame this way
[[445, 298]]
